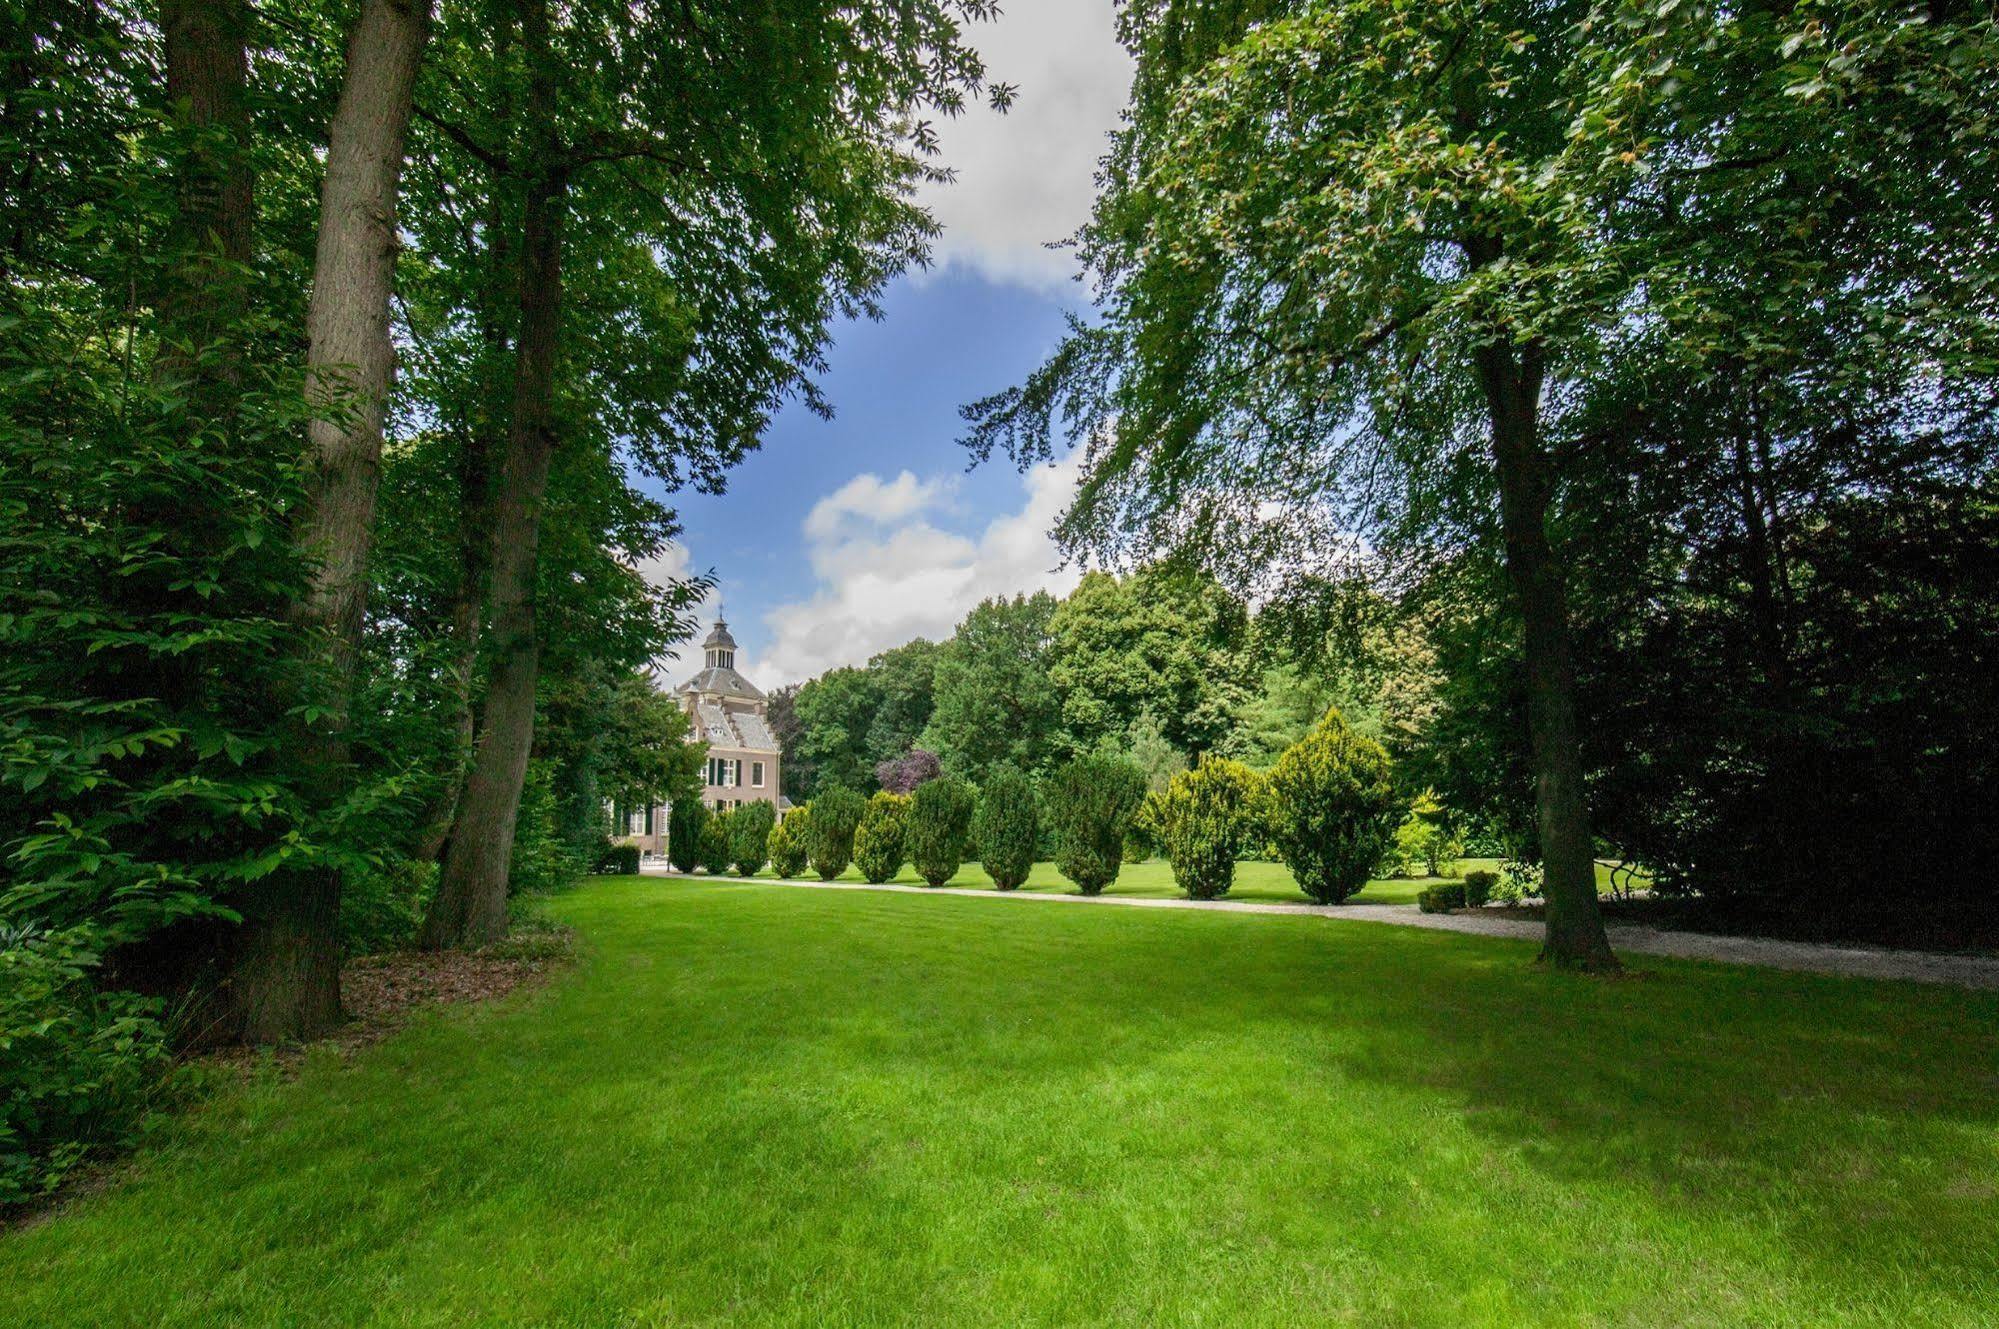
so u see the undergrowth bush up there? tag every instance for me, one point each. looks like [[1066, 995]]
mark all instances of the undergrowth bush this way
[[79, 1068], [1479, 887], [544, 859], [1518, 880], [619, 860], [381, 909], [1441, 898]]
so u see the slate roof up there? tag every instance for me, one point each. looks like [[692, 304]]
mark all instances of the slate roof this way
[[724, 728], [724, 680], [756, 734]]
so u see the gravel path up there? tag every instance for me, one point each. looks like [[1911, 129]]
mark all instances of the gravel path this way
[[1968, 971]]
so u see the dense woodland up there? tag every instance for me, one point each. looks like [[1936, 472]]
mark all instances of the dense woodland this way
[[335, 341], [1595, 402]]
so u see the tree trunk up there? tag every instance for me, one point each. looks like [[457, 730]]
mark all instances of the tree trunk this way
[[475, 550], [350, 357], [285, 974], [471, 904], [206, 291], [276, 984], [1575, 937]]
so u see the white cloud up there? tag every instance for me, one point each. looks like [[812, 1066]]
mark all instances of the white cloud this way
[[883, 580], [1027, 177], [867, 497]]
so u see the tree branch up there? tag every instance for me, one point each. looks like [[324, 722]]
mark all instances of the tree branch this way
[[492, 157]]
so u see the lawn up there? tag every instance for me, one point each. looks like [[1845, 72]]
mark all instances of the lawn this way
[[758, 1105]]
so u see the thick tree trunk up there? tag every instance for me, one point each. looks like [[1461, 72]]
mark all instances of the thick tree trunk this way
[[471, 904], [1575, 937], [285, 977]]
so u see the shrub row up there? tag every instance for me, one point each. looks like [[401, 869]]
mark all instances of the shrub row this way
[[1328, 809]]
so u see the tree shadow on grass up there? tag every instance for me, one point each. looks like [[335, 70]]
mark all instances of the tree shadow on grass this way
[[1861, 1119]]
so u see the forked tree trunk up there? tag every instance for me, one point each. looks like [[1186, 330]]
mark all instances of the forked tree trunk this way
[[285, 978], [471, 904], [1575, 937]]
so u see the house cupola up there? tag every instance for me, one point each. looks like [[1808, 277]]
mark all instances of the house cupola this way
[[720, 646]]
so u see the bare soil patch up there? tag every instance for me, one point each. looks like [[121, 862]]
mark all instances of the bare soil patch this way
[[383, 992]]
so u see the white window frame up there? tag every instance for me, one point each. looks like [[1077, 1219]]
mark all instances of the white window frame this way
[[756, 775]]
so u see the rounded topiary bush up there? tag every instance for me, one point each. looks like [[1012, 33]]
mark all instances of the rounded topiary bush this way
[[1092, 805], [940, 818], [1006, 828], [830, 834], [749, 837], [1204, 820], [1441, 898], [878, 840], [789, 846], [619, 860], [1333, 810], [685, 822], [716, 848], [1479, 886]]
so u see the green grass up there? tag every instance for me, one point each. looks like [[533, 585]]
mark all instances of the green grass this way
[[1154, 878], [753, 1105]]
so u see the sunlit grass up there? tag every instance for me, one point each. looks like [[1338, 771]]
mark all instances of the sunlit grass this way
[[753, 1105]]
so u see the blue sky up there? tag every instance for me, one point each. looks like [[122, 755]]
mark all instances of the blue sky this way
[[839, 538]]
